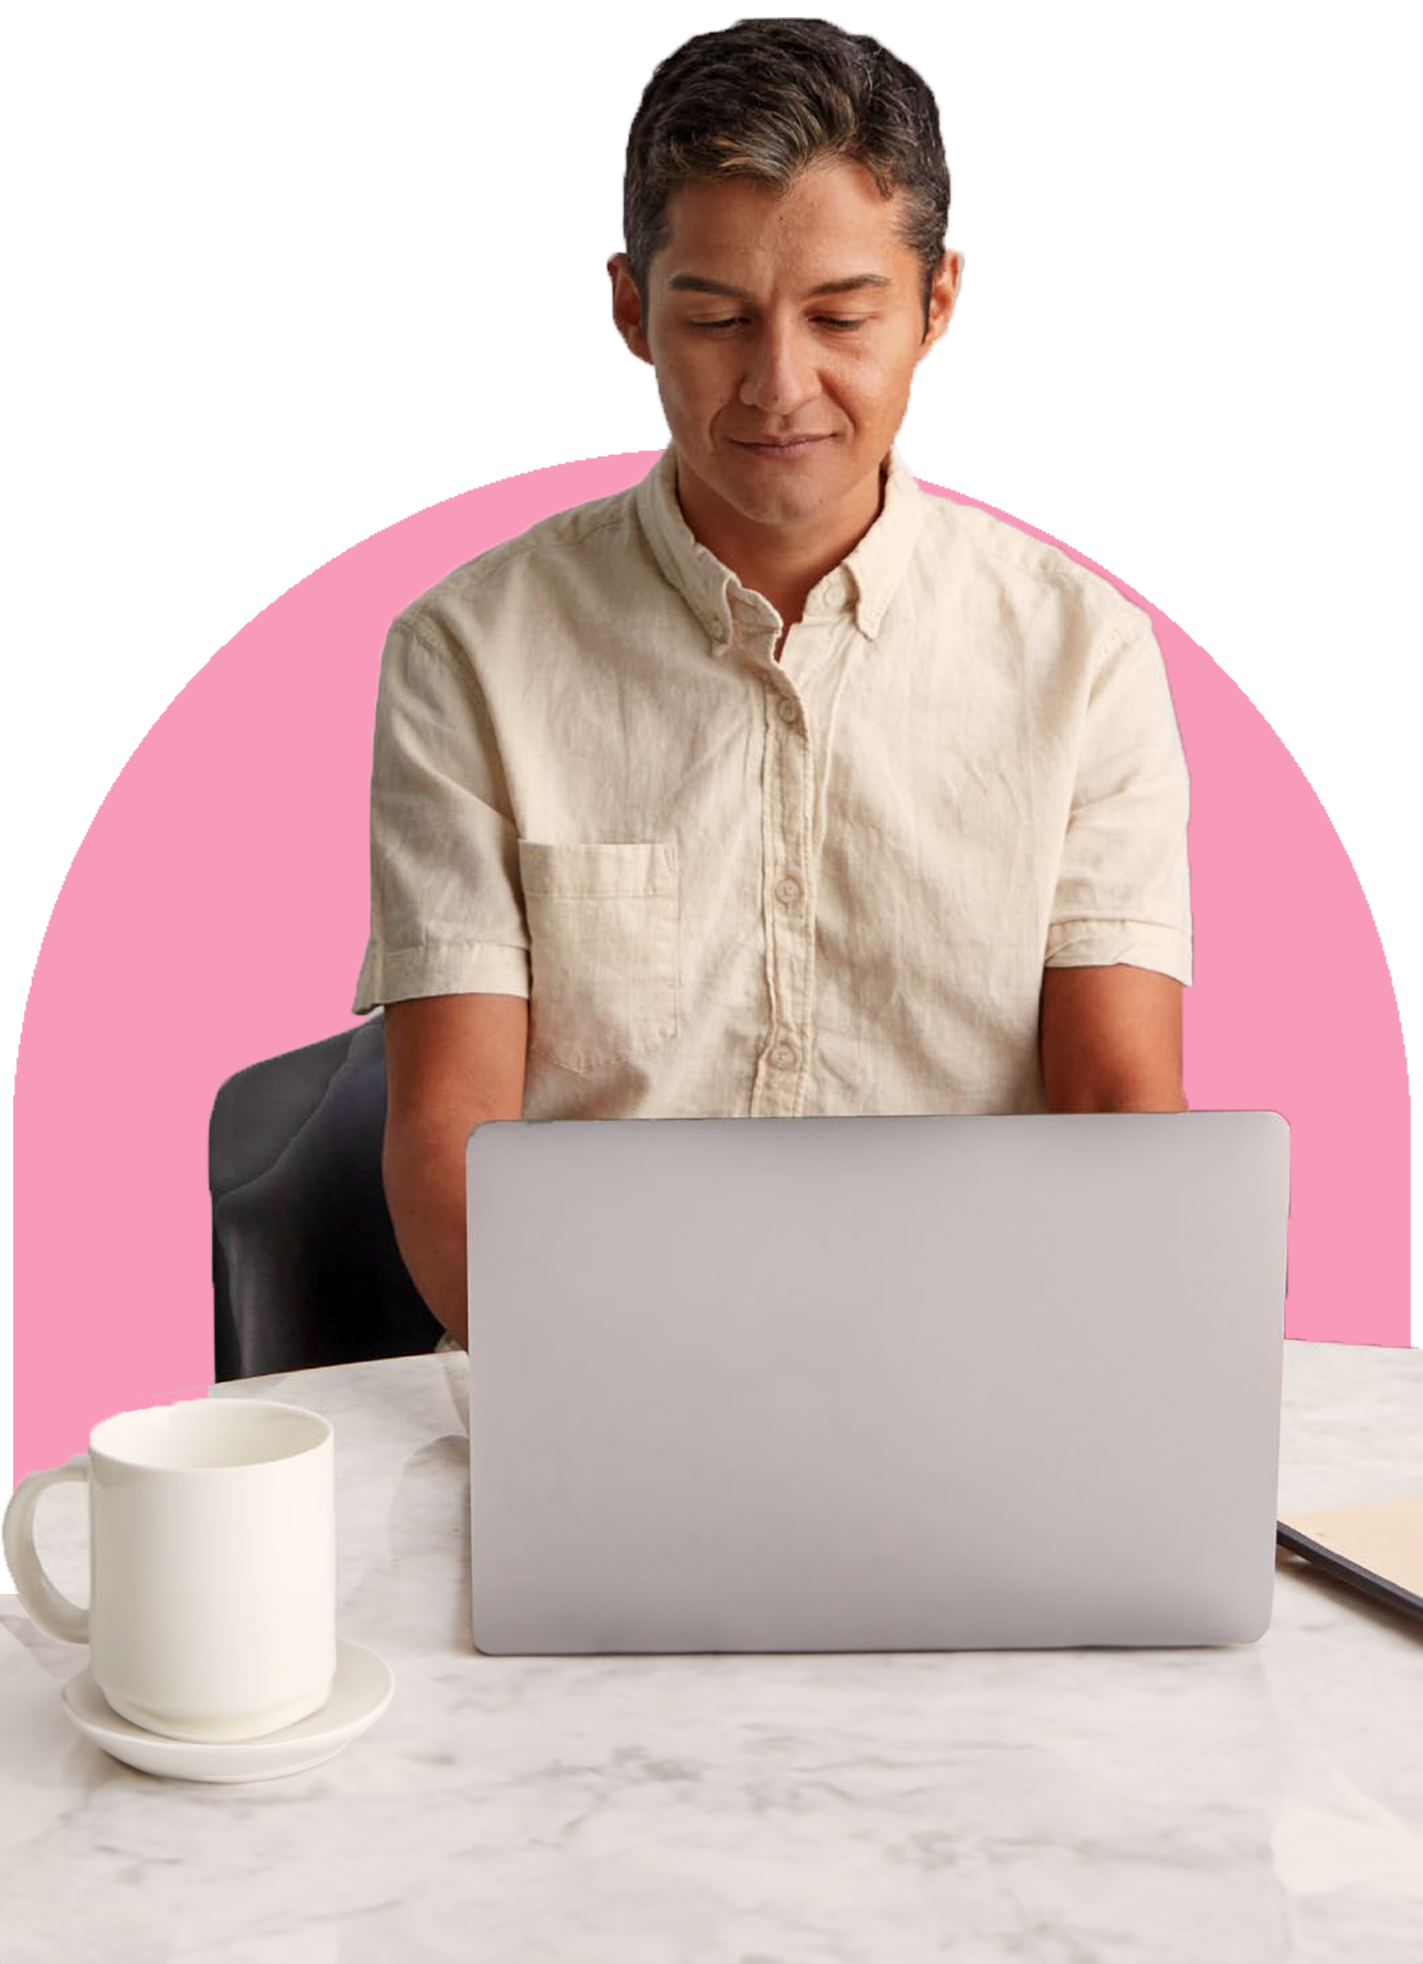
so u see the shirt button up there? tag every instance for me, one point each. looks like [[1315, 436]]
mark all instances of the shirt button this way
[[787, 709], [787, 890], [783, 1056]]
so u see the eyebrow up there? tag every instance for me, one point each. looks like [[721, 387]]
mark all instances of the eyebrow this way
[[694, 283]]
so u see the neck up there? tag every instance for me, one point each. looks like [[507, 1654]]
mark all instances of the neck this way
[[781, 562]]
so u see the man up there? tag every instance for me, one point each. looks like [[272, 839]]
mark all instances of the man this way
[[772, 786]]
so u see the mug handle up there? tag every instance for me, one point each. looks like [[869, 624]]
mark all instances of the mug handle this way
[[54, 1613]]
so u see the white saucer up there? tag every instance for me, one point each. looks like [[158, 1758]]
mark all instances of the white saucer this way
[[362, 1689]]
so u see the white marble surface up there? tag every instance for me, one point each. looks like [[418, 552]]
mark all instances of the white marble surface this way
[[1230, 1806]]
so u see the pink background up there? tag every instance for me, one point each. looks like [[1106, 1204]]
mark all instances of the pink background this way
[[216, 914]]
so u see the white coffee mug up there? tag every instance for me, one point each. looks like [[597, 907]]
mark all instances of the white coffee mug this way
[[212, 1565]]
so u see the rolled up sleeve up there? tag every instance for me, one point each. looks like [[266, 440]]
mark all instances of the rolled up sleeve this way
[[447, 913], [1123, 887]]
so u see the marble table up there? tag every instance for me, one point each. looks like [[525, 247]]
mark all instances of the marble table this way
[[1235, 1805]]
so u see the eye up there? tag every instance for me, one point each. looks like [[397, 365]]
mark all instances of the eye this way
[[843, 325]]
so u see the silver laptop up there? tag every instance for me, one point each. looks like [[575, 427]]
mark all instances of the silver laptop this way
[[875, 1383]]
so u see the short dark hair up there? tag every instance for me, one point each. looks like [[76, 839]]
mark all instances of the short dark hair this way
[[767, 99]]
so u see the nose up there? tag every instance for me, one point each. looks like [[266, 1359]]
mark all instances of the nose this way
[[780, 374]]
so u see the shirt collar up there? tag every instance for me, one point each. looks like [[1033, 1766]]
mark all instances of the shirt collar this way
[[864, 582]]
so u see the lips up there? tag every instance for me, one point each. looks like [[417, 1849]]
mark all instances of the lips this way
[[782, 446]]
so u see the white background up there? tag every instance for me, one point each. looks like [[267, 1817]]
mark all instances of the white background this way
[[280, 276]]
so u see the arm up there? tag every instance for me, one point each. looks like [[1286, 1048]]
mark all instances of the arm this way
[[451, 1061], [1110, 1040]]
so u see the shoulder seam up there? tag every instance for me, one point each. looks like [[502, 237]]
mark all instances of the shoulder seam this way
[[476, 570], [1051, 573]]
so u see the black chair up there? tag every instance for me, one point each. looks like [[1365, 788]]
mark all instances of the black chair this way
[[305, 1266]]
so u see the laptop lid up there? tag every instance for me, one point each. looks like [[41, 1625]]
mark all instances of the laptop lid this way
[[880, 1382]]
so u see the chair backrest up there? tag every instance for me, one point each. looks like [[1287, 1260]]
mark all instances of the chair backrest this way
[[306, 1269]]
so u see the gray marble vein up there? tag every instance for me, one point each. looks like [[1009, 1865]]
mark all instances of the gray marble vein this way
[[1232, 1806]]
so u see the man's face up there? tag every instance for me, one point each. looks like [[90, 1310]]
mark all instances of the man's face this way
[[771, 358]]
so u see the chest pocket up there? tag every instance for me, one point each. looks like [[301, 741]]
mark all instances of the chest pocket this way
[[603, 945]]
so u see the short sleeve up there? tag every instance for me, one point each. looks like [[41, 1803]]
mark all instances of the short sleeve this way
[[1123, 886], [447, 913]]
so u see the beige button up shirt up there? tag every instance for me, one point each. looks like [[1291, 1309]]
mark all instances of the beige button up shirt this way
[[731, 885]]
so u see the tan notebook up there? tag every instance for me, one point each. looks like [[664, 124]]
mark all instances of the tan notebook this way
[[1379, 1548]]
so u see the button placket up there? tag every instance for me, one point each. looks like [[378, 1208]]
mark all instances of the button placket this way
[[787, 790]]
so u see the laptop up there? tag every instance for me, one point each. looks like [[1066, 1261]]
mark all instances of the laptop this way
[[892, 1382]]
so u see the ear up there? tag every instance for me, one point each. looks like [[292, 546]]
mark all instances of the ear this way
[[627, 306], [943, 296]]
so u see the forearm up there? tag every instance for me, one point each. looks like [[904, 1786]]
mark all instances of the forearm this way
[[1118, 1098], [424, 1173]]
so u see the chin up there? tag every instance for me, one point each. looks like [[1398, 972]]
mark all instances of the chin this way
[[776, 507], [773, 494]]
